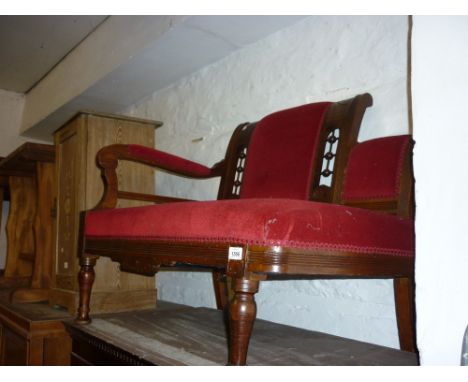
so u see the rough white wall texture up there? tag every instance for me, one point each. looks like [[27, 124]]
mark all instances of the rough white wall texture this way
[[440, 129], [320, 58]]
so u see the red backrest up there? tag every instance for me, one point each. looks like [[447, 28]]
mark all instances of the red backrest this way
[[282, 153]]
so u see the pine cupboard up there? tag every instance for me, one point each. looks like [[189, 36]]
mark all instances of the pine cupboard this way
[[79, 188]]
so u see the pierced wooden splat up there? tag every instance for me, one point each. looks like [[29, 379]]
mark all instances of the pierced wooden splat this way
[[240, 167], [329, 155]]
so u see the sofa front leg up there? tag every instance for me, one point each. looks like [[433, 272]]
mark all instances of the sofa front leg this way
[[86, 279], [242, 313]]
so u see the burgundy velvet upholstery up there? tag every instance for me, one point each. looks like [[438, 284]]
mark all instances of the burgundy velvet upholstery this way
[[374, 168], [168, 161], [282, 222], [282, 152]]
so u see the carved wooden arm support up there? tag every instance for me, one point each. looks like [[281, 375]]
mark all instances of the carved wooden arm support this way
[[108, 158]]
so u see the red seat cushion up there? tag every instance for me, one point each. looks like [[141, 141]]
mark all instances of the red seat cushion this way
[[269, 222]]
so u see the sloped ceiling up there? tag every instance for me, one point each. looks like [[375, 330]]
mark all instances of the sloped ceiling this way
[[108, 64], [31, 46]]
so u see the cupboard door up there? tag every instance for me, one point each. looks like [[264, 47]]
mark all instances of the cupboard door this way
[[79, 188]]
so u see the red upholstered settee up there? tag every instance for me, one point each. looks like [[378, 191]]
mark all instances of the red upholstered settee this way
[[298, 196]]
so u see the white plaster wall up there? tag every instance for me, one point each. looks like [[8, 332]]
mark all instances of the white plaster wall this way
[[11, 107], [320, 58], [440, 94]]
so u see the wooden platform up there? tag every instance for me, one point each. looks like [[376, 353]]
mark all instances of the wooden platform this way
[[32, 334], [179, 335]]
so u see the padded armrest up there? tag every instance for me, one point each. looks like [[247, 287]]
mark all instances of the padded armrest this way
[[108, 155], [108, 159], [375, 167]]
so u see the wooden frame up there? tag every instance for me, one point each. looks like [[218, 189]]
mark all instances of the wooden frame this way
[[28, 176], [32, 334], [260, 262]]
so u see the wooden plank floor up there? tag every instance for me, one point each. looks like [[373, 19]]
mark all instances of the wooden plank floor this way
[[177, 335]]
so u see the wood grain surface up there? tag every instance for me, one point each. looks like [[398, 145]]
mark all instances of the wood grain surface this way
[[198, 336]]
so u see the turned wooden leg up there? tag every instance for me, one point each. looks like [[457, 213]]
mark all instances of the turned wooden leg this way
[[85, 279], [404, 306], [242, 313]]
